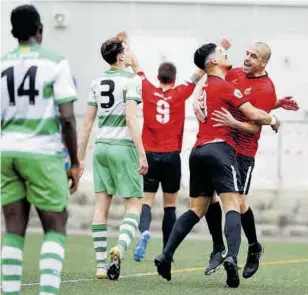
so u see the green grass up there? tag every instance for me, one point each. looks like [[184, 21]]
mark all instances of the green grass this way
[[279, 274]]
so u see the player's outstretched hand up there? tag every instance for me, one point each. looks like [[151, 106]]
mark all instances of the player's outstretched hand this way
[[143, 168], [288, 103], [122, 36], [73, 175], [225, 43], [276, 126], [223, 118], [199, 110]]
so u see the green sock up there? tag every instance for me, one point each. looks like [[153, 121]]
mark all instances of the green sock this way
[[11, 261], [51, 262], [127, 230], [99, 236]]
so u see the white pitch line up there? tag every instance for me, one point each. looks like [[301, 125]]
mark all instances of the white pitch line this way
[[87, 280]]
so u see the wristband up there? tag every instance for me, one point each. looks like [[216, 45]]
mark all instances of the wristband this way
[[274, 121]]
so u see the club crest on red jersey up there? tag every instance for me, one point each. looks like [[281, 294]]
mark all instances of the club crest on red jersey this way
[[237, 93], [247, 91]]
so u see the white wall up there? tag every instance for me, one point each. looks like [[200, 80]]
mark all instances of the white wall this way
[[174, 30], [177, 29]]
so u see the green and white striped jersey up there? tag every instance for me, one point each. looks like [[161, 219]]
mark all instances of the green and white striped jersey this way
[[34, 82], [109, 93]]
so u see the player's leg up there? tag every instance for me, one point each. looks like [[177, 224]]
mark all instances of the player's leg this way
[[104, 189], [124, 164], [255, 249], [214, 220], [16, 210], [170, 181], [150, 187], [47, 190], [227, 184], [199, 188], [169, 218]]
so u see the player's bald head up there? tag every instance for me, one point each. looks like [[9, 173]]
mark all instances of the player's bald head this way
[[264, 50]]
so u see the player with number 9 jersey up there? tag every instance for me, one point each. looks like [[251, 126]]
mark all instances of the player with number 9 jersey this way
[[162, 134]]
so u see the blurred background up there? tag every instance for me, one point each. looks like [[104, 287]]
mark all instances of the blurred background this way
[[172, 30]]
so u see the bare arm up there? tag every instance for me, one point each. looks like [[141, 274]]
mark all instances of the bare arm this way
[[258, 116], [88, 122], [225, 118], [135, 64], [133, 126], [199, 103], [68, 123]]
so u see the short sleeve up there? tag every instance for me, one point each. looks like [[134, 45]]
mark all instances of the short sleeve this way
[[234, 96], [147, 86], [134, 89], [64, 86], [185, 90], [92, 94]]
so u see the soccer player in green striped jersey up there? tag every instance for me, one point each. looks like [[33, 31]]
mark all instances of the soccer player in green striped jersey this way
[[37, 94], [119, 159]]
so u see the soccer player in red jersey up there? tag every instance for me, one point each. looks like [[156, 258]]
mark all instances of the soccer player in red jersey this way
[[253, 81], [212, 163], [162, 134]]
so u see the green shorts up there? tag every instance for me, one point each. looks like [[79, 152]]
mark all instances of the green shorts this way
[[41, 179], [115, 170]]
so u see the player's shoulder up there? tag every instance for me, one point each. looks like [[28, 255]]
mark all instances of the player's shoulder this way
[[230, 89], [234, 73], [46, 54]]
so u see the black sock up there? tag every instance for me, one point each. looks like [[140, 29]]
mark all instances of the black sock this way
[[180, 230], [249, 227], [168, 223], [145, 218], [233, 232], [213, 218]]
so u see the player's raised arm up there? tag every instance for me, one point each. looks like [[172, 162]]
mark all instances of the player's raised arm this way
[[133, 97], [88, 122], [65, 94]]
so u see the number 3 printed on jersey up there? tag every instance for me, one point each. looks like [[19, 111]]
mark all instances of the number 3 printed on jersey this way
[[163, 111]]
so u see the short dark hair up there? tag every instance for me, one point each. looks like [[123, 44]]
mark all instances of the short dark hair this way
[[202, 53], [166, 72], [110, 49], [25, 21]]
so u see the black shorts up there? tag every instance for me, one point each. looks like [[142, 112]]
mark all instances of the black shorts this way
[[213, 167], [245, 165], [164, 168]]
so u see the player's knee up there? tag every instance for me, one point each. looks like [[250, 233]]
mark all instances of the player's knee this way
[[170, 200], [54, 221], [244, 206], [148, 199], [16, 217], [230, 201], [199, 205], [133, 205]]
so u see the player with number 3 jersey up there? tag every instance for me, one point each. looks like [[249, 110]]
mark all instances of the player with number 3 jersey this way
[[119, 159], [162, 135]]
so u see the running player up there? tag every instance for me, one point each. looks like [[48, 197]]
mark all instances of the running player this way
[[119, 159], [253, 81], [162, 134], [213, 165], [36, 85]]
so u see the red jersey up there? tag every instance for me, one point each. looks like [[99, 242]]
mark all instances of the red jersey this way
[[164, 116], [262, 95], [218, 94]]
